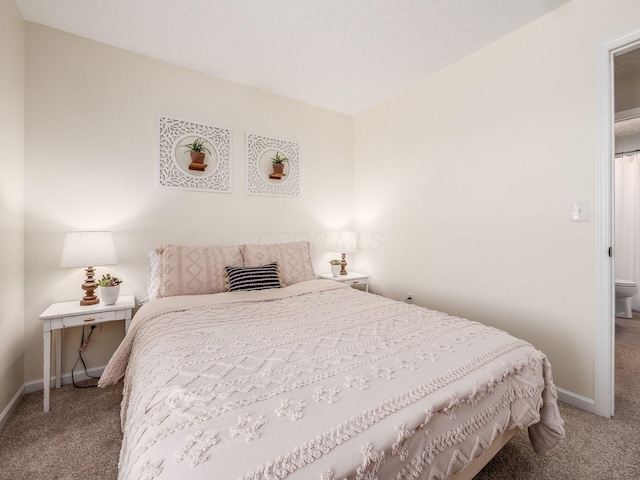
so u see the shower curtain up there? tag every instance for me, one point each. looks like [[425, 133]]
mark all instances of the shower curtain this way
[[627, 230]]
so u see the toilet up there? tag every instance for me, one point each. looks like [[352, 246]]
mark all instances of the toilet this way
[[625, 289]]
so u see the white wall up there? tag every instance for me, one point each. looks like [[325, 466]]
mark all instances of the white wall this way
[[91, 164], [470, 175], [12, 58]]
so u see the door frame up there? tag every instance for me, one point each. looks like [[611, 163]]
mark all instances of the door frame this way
[[604, 373]]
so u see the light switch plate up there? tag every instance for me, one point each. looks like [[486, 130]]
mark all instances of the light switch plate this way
[[580, 211]]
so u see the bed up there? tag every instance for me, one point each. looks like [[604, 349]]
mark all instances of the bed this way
[[315, 380]]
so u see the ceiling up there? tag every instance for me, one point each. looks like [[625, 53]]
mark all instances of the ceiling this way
[[343, 55], [627, 128], [625, 64]]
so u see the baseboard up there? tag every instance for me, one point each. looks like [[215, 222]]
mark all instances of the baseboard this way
[[583, 403], [8, 410], [37, 385]]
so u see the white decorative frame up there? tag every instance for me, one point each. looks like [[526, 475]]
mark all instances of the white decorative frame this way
[[260, 149], [173, 161]]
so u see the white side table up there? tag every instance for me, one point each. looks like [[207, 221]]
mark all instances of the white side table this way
[[72, 314], [351, 278]]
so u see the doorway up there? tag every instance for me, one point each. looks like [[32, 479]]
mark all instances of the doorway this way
[[604, 400]]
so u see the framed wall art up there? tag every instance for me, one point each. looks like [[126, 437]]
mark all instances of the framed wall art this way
[[193, 156], [273, 166]]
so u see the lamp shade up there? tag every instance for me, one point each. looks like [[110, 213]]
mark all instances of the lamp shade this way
[[345, 242], [88, 249]]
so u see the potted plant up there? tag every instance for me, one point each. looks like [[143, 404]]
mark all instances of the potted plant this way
[[197, 150], [335, 267], [109, 288], [278, 163]]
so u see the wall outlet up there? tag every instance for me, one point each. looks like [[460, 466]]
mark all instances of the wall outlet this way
[[409, 298]]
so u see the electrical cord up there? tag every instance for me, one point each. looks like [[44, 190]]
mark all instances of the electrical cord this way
[[83, 345]]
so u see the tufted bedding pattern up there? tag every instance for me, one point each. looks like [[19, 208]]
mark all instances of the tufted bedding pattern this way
[[320, 381]]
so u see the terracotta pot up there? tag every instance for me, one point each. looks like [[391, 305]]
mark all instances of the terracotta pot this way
[[278, 168], [197, 161], [197, 157]]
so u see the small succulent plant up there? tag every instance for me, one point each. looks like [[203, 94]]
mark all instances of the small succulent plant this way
[[334, 262], [109, 281]]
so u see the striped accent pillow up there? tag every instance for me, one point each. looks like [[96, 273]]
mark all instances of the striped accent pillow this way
[[253, 278]]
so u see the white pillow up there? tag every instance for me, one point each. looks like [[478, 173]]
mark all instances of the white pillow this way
[[154, 262]]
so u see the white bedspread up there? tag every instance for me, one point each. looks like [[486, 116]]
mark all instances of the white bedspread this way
[[320, 381]]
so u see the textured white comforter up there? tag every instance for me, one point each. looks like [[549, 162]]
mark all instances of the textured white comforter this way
[[320, 381]]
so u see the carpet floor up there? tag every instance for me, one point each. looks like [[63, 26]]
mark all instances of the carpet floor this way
[[80, 437]]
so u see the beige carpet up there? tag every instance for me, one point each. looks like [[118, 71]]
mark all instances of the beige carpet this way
[[80, 437]]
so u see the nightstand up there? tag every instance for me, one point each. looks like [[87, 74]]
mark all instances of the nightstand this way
[[351, 278], [72, 314]]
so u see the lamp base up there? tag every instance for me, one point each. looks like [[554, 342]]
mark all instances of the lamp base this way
[[89, 287], [343, 264]]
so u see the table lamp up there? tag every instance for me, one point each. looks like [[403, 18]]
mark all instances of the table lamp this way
[[88, 249], [346, 242]]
